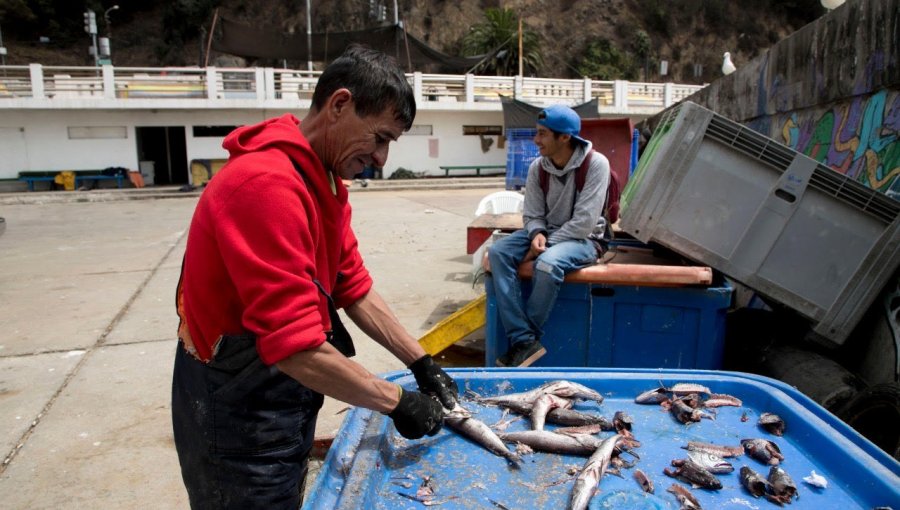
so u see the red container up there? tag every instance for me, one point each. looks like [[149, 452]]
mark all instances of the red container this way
[[612, 138]]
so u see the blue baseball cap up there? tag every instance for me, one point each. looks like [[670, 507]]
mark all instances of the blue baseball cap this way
[[561, 119]]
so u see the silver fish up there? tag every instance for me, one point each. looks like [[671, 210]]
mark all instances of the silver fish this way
[[543, 405], [711, 462], [652, 397], [642, 480], [783, 487], [719, 450], [688, 471], [763, 450], [772, 423], [551, 442], [478, 431], [590, 475], [684, 496], [565, 389], [560, 416], [755, 484]]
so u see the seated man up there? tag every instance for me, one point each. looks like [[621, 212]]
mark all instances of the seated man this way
[[562, 218]]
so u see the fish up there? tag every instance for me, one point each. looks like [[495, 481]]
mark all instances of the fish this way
[[684, 496], [587, 480], [551, 442], [543, 405], [744, 418], [689, 471], [772, 423], [763, 450], [711, 462], [479, 432], [560, 416], [622, 421], [682, 389], [783, 487], [685, 413], [642, 480], [719, 450], [565, 389], [652, 397], [816, 480], [755, 484], [720, 400]]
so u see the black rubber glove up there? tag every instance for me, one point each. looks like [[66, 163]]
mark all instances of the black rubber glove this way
[[434, 381], [416, 415]]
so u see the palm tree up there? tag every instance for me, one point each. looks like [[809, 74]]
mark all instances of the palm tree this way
[[498, 39]]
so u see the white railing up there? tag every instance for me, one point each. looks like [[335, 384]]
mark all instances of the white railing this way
[[255, 85]]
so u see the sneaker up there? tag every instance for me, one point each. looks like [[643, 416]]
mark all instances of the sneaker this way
[[522, 354]]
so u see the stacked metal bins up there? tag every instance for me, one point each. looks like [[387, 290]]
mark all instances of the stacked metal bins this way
[[765, 215], [520, 152]]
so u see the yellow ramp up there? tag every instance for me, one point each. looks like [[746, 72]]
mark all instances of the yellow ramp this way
[[455, 327]]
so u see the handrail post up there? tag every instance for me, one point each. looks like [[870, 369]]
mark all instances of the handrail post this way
[[260, 84], [518, 87], [270, 83], [470, 88], [587, 90], [668, 94], [212, 86], [417, 86], [620, 94], [36, 72], [109, 82]]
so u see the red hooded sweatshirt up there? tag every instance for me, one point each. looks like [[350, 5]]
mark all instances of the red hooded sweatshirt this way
[[261, 236]]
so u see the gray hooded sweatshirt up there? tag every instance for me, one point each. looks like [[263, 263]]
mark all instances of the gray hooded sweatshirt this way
[[563, 216]]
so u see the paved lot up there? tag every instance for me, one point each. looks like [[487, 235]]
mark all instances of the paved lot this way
[[88, 324]]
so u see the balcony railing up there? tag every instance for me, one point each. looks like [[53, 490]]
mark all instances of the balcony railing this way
[[49, 86]]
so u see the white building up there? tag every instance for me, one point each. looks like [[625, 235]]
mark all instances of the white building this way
[[162, 119]]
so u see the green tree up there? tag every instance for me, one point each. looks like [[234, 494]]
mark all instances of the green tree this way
[[499, 37], [602, 60]]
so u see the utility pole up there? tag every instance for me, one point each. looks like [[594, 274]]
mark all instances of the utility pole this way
[[309, 65], [520, 46], [90, 26], [2, 51]]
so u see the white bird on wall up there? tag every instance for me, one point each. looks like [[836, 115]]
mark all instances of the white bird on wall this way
[[727, 64]]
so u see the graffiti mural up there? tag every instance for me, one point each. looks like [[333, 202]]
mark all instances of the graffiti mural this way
[[860, 139]]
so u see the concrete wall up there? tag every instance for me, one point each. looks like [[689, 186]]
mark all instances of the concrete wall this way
[[40, 139], [831, 91]]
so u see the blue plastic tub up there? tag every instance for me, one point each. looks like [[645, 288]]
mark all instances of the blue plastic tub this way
[[596, 325], [369, 461]]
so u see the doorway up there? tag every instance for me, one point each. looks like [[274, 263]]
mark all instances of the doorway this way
[[166, 147]]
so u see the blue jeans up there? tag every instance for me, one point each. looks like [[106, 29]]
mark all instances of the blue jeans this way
[[243, 430], [523, 320]]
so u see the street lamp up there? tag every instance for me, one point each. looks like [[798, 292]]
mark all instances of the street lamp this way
[[106, 19], [105, 44]]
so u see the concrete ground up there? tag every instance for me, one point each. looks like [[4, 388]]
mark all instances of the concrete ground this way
[[87, 282]]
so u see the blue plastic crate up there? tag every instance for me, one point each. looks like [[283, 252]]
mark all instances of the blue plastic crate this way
[[594, 325], [520, 152], [369, 462]]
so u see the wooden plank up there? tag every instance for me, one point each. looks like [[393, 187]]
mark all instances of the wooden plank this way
[[455, 327], [646, 275], [484, 225]]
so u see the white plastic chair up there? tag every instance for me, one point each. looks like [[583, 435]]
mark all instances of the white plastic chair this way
[[501, 202]]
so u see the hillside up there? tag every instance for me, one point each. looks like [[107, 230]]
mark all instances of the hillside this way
[[691, 35]]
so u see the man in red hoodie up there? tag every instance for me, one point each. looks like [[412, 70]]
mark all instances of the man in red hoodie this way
[[270, 257]]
